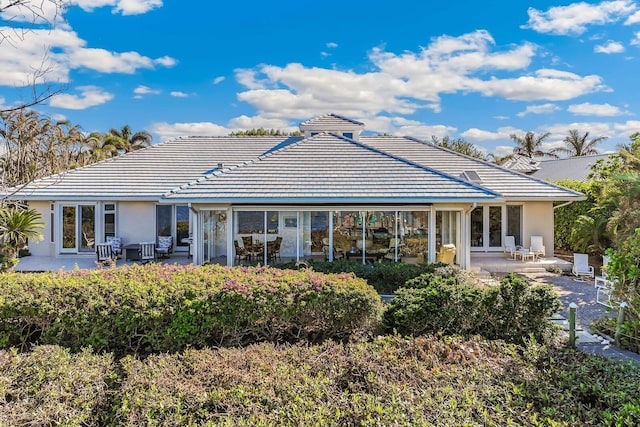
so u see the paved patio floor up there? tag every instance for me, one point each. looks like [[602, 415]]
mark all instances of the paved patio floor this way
[[72, 262]]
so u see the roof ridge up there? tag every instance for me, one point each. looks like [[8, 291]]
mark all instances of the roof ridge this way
[[207, 176], [338, 116]]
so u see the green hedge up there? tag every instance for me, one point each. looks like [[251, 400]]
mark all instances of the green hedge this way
[[388, 381], [385, 277], [513, 310], [159, 308]]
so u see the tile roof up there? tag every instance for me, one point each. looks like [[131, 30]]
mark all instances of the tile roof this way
[[510, 184], [575, 168], [150, 172], [521, 164], [328, 168]]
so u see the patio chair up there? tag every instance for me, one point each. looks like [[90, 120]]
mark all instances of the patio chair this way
[[165, 246], [537, 246], [147, 252], [104, 252], [337, 252], [581, 267], [241, 252], [116, 245], [602, 279], [510, 246]]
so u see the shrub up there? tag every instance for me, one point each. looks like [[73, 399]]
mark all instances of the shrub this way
[[514, 310], [50, 386], [385, 277], [158, 308]]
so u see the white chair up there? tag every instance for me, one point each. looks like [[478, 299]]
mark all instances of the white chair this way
[[537, 246], [604, 286], [602, 279], [581, 267], [104, 252], [116, 245], [147, 252], [510, 246]]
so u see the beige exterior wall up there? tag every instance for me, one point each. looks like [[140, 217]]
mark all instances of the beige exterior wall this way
[[136, 222], [44, 247], [538, 221]]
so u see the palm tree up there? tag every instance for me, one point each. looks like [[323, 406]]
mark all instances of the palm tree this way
[[17, 225], [98, 147], [576, 145], [531, 145], [127, 141]]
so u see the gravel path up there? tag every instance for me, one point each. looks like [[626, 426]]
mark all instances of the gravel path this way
[[570, 290]]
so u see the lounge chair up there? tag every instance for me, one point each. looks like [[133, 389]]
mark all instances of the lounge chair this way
[[581, 267], [241, 252], [510, 246], [537, 246]]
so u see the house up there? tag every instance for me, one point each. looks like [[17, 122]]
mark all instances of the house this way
[[332, 192], [573, 168]]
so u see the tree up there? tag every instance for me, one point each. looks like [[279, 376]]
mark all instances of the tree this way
[[459, 145], [17, 226], [576, 144], [18, 18], [127, 141], [264, 132], [531, 145], [96, 147]]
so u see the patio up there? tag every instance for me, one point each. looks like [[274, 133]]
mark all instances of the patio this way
[[482, 264]]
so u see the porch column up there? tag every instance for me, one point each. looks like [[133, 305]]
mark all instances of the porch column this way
[[432, 234]]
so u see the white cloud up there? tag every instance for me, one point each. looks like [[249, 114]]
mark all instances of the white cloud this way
[[503, 150], [501, 117], [539, 109], [126, 7], [633, 19], [58, 117], [407, 82], [574, 18], [63, 51], [90, 96], [589, 109], [178, 94], [401, 126], [475, 134], [245, 122], [609, 47], [142, 90], [332, 45], [636, 41], [218, 80], [545, 84], [172, 130]]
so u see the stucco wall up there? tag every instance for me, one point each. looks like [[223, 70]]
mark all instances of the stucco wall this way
[[538, 221], [43, 247], [136, 222]]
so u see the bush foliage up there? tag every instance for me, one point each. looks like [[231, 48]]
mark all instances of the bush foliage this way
[[385, 277], [443, 381], [451, 304], [160, 308]]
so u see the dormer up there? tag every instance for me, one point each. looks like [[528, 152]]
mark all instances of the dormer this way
[[332, 123]]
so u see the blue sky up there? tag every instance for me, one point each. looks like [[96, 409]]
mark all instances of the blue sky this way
[[470, 69]]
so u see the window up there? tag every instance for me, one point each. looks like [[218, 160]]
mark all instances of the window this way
[[252, 222], [163, 220], [348, 135], [514, 223], [109, 220]]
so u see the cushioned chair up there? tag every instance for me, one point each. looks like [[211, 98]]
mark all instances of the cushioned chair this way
[[446, 254], [165, 246], [391, 252], [116, 245]]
